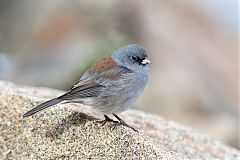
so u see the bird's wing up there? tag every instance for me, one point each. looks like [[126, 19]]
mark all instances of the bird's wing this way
[[83, 89], [101, 75]]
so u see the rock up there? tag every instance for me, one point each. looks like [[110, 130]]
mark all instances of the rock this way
[[71, 131]]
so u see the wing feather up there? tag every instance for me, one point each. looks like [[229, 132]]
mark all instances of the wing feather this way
[[95, 85]]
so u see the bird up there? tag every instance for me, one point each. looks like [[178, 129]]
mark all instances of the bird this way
[[110, 86]]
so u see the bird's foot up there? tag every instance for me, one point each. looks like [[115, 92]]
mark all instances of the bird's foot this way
[[121, 122], [107, 119]]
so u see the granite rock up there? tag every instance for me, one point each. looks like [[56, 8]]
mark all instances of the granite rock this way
[[71, 131]]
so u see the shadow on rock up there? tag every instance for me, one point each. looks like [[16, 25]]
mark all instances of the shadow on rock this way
[[75, 119]]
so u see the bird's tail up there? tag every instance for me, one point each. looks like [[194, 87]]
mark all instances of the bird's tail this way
[[43, 106]]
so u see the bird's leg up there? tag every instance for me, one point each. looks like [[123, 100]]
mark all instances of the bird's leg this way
[[107, 119], [121, 122]]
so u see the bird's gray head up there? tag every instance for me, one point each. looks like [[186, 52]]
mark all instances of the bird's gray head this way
[[133, 57]]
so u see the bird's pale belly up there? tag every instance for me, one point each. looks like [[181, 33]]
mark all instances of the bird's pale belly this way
[[119, 101]]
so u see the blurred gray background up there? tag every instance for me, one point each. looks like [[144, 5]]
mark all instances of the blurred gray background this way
[[193, 46]]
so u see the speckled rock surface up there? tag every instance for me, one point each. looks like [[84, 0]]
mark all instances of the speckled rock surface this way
[[72, 132]]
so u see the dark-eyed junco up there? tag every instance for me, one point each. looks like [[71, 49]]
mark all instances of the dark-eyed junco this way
[[110, 85]]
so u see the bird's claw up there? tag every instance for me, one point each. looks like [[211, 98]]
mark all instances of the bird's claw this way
[[107, 119], [122, 123]]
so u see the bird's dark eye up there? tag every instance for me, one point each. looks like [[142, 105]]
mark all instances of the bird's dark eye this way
[[134, 58], [137, 59]]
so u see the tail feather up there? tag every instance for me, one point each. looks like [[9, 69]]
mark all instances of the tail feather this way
[[43, 106]]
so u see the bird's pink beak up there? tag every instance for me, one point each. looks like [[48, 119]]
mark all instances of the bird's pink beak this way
[[146, 61]]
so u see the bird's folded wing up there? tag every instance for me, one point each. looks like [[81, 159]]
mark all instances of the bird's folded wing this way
[[83, 89], [94, 85]]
